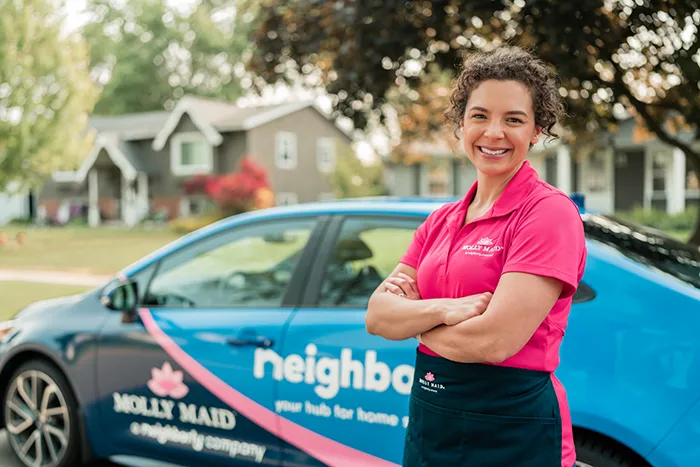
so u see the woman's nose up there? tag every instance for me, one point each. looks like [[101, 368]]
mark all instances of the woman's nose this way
[[494, 130]]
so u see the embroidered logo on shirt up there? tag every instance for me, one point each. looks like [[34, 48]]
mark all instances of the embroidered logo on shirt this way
[[485, 241], [484, 247], [428, 383]]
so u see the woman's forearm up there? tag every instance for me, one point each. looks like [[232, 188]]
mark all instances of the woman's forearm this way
[[397, 318], [471, 341]]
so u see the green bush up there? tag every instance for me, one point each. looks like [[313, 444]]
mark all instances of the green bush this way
[[684, 221], [186, 224]]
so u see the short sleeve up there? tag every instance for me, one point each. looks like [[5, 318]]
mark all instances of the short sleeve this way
[[549, 241], [413, 252]]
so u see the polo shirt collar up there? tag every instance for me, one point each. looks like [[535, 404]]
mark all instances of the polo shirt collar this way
[[514, 194]]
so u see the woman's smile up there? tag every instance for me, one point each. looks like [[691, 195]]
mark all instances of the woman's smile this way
[[493, 152]]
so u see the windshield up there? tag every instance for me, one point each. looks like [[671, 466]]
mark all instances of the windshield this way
[[649, 247]]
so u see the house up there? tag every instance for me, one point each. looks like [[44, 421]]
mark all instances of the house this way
[[621, 173], [139, 162], [15, 204]]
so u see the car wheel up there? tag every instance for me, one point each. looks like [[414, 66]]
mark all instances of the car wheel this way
[[41, 417], [594, 453]]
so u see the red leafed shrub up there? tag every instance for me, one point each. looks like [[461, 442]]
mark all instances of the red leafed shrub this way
[[241, 191]]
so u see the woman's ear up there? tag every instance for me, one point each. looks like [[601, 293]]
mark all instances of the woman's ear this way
[[535, 136]]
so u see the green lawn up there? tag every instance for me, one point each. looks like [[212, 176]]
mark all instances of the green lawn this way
[[80, 249], [16, 295]]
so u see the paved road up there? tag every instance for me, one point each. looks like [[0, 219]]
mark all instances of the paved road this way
[[53, 277], [7, 458]]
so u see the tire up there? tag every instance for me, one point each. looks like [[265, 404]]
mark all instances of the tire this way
[[40, 409], [595, 453]]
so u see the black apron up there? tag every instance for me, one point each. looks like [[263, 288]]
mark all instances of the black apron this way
[[477, 415]]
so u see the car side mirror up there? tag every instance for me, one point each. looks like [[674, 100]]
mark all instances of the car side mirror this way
[[120, 296]]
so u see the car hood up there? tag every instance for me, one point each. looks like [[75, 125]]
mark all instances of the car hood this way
[[49, 306]]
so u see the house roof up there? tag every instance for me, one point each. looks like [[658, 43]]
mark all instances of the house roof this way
[[129, 123], [115, 134], [215, 117]]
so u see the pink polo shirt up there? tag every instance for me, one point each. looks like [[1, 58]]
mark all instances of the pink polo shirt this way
[[532, 228]]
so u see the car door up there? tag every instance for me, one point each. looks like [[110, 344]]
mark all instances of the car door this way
[[343, 393], [177, 383]]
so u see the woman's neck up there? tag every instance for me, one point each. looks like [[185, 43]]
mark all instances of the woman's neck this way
[[489, 188]]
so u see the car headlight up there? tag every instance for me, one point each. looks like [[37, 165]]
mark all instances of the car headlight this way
[[6, 328]]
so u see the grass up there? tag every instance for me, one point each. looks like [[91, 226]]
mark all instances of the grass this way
[[79, 249], [679, 234], [17, 295]]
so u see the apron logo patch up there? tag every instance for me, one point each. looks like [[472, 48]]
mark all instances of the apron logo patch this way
[[428, 383]]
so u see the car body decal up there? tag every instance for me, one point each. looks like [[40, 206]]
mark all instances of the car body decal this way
[[324, 449]]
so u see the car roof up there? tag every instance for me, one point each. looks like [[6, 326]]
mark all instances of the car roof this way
[[378, 204], [384, 205]]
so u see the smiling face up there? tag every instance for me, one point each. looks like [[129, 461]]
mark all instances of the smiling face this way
[[499, 126]]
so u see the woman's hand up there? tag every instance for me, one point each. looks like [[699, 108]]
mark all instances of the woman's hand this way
[[402, 285], [457, 310]]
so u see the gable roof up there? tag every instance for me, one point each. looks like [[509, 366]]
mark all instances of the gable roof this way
[[213, 117]]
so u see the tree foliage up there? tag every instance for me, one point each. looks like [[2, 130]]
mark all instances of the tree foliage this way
[[147, 54], [614, 57], [46, 94], [354, 179]]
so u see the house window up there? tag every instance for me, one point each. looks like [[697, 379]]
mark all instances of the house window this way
[[596, 176], [286, 150], [659, 168], [191, 154], [286, 198], [439, 178], [325, 154]]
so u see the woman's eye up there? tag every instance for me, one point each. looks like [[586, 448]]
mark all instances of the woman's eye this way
[[478, 116], [515, 120]]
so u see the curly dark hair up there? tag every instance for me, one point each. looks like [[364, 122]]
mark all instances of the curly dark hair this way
[[509, 63]]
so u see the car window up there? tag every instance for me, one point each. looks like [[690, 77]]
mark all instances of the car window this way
[[248, 266], [366, 251], [646, 246]]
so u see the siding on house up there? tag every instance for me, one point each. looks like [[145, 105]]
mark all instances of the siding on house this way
[[305, 180]]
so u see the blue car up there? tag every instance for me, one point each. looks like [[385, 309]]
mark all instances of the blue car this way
[[244, 343]]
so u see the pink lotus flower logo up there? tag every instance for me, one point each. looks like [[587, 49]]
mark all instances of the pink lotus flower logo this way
[[166, 382], [429, 377]]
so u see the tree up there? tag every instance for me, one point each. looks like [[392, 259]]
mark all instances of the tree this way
[[353, 179], [613, 57], [147, 54], [46, 94]]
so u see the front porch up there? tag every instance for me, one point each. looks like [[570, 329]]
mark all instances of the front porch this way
[[652, 176], [108, 185]]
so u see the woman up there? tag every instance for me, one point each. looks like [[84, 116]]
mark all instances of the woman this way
[[487, 283]]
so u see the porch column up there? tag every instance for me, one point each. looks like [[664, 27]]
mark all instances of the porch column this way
[[128, 202], [142, 190], [675, 186], [93, 199], [564, 169]]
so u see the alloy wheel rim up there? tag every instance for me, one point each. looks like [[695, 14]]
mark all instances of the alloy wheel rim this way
[[37, 419]]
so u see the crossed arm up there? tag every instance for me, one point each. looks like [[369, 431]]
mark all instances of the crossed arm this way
[[478, 328]]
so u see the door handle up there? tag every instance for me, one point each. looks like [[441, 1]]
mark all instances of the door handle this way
[[256, 341]]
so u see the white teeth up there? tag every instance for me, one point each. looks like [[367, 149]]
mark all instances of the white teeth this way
[[493, 153]]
